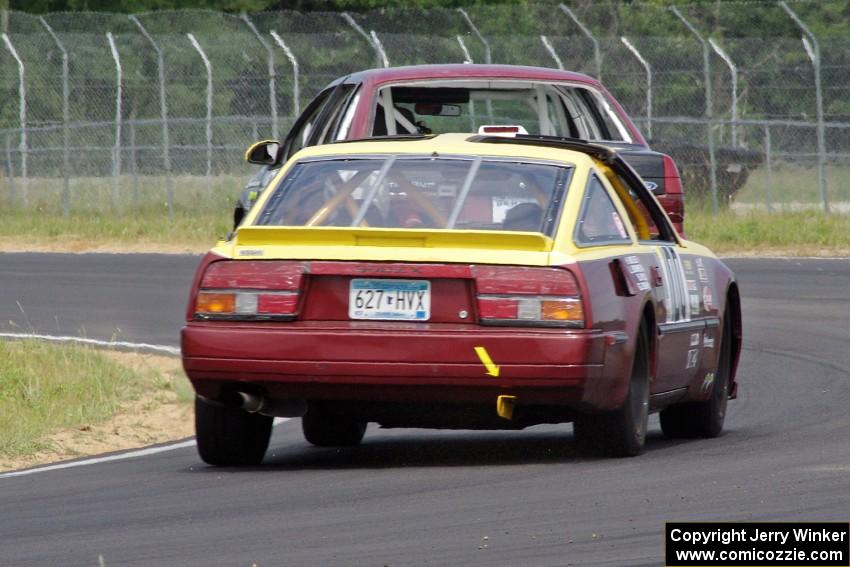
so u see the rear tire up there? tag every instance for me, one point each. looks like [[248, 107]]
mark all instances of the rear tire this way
[[325, 429], [704, 419], [621, 433], [230, 436]]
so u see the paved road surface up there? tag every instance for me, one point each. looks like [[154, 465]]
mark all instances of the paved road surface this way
[[408, 497]]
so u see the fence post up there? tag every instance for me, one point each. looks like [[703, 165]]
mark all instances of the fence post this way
[[66, 133], [163, 111], [597, 54], [813, 50], [487, 55], [709, 106], [467, 58], [116, 150], [769, 165], [733, 72], [22, 115], [10, 170], [296, 89], [208, 67], [131, 123], [272, 90], [379, 46], [488, 59], [548, 45], [378, 51], [648, 70]]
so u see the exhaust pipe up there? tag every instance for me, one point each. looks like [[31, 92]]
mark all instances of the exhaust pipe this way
[[253, 403]]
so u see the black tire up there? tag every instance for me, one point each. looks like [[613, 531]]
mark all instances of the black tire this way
[[326, 429], [704, 419], [621, 433], [230, 436]]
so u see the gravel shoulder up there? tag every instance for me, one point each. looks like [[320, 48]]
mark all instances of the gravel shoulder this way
[[154, 418]]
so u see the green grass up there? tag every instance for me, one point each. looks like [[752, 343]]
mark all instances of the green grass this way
[[153, 229], [45, 387], [796, 233], [794, 184], [203, 213]]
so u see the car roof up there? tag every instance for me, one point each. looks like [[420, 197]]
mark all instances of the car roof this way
[[451, 144], [466, 71]]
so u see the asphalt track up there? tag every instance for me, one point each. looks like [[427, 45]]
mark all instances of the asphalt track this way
[[410, 497]]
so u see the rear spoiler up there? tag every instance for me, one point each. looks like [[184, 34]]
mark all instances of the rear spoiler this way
[[391, 238]]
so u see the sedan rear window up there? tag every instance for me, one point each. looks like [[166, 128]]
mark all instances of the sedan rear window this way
[[393, 191]]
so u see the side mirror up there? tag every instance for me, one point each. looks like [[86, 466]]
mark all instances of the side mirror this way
[[263, 152]]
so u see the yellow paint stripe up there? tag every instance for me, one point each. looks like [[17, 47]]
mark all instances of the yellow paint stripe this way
[[492, 369]]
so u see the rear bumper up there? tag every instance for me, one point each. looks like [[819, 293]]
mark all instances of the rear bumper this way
[[398, 362]]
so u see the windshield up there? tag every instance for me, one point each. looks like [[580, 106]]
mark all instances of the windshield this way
[[393, 191]]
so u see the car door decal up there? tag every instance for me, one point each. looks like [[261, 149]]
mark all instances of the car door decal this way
[[677, 303]]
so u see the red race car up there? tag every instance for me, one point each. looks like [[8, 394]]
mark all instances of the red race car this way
[[463, 98], [459, 281]]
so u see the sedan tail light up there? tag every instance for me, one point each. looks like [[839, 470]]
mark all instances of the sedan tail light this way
[[250, 290], [674, 197], [536, 297]]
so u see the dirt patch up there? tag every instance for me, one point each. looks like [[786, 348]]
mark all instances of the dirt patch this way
[[82, 246], [157, 417]]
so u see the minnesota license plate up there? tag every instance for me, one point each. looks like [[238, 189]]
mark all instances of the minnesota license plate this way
[[389, 300]]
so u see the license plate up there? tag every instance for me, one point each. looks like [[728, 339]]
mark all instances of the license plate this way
[[389, 300]]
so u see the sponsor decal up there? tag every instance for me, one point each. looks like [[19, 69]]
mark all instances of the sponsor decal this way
[[651, 185], [693, 358], [707, 298], [689, 267], [701, 271], [618, 222], [251, 252], [707, 382], [694, 302], [694, 339], [708, 341], [638, 271], [692, 285]]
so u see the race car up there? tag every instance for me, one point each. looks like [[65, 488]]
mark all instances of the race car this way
[[466, 281], [439, 99]]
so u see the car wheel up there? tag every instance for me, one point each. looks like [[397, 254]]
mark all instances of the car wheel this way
[[621, 433], [325, 429], [704, 419], [230, 436]]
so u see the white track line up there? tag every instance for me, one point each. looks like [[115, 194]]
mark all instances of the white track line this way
[[97, 460], [174, 351], [117, 457], [120, 456]]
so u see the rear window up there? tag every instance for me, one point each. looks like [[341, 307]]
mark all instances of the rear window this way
[[393, 191]]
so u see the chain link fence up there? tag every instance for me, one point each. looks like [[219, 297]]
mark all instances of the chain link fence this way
[[114, 112]]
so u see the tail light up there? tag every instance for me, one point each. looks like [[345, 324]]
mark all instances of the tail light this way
[[674, 201], [535, 297], [250, 290]]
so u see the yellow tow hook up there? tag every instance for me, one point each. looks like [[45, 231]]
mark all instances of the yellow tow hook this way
[[505, 406]]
